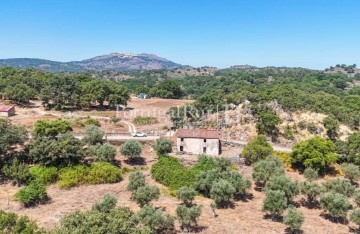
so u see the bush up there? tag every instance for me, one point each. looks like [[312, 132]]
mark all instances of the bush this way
[[222, 192], [92, 122], [163, 146], [106, 205], [156, 220], [131, 149], [357, 197], [311, 174], [136, 180], [186, 194], [18, 172], [339, 186], [188, 216], [257, 149], [12, 223], [275, 202], [265, 169], [32, 194], [285, 184], [97, 173], [336, 204], [294, 219], [316, 153], [171, 173], [145, 120], [102, 153], [145, 194], [351, 171], [355, 217], [51, 128], [93, 135], [311, 190], [46, 175]]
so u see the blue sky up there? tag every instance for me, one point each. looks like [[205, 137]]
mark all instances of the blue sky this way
[[307, 33]]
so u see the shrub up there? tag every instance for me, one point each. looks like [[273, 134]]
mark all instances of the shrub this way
[[46, 175], [186, 194], [332, 127], [136, 180], [311, 174], [145, 194], [265, 169], [131, 149], [51, 128], [222, 192], [93, 135], [285, 184], [145, 120], [355, 217], [188, 216], [316, 153], [351, 171], [357, 197], [339, 186], [32, 194], [18, 172], [97, 173], [336, 204], [102, 153], [311, 190], [102, 172], [171, 173], [275, 202], [92, 122], [72, 176], [163, 146], [294, 219], [257, 149], [106, 205], [156, 220], [12, 223]]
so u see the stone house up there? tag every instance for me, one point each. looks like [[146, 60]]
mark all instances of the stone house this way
[[7, 111], [198, 141]]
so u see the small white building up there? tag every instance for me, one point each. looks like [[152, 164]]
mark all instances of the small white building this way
[[198, 141], [7, 111]]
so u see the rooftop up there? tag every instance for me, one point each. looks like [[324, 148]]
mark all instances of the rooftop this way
[[198, 133], [5, 108]]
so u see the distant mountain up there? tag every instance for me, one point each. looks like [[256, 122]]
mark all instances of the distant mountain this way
[[113, 61]]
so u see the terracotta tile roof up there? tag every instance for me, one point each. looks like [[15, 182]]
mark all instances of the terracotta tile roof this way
[[5, 108], [198, 133]]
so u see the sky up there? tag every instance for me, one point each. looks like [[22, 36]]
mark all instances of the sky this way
[[297, 33]]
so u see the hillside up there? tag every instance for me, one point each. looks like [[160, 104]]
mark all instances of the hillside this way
[[113, 61]]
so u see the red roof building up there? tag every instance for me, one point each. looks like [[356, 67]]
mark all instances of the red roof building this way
[[7, 110], [198, 133], [198, 141]]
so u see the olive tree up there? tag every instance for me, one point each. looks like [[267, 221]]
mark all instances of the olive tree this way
[[265, 169], [163, 146], [188, 216], [351, 171], [136, 180], [294, 219], [93, 135], [275, 202], [311, 190], [339, 186], [311, 174], [336, 204], [186, 194], [222, 192], [156, 220], [131, 149], [144, 195], [355, 217], [102, 153], [284, 184]]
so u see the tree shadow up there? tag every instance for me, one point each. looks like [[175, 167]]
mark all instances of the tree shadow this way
[[198, 228], [226, 205], [354, 230], [340, 220], [244, 198], [274, 218], [310, 205], [136, 161], [290, 231]]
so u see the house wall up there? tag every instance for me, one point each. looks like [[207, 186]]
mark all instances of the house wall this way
[[3, 114], [10, 112], [196, 146]]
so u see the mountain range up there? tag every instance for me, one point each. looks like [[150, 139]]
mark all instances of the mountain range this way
[[113, 61]]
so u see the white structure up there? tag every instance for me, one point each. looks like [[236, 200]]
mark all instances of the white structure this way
[[198, 141]]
